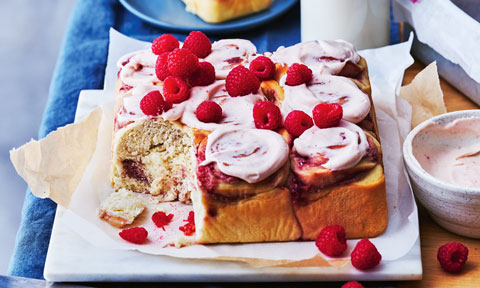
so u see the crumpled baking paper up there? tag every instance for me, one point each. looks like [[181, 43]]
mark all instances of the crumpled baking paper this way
[[386, 68]]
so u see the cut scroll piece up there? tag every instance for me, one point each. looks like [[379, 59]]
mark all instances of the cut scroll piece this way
[[121, 208]]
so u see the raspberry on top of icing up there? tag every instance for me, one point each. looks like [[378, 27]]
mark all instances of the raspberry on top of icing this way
[[344, 146], [248, 154]]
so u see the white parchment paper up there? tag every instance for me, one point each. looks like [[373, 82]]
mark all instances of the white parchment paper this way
[[446, 28], [386, 68]]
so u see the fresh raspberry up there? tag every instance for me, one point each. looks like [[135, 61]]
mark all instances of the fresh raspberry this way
[[164, 43], [331, 241], [161, 219], [297, 122], [175, 89], [161, 66], [209, 111], [241, 81], [198, 43], [266, 115], [327, 115], [203, 76], [365, 255], [452, 256], [153, 104], [263, 68], [182, 62], [136, 235], [298, 74], [189, 228], [352, 284]]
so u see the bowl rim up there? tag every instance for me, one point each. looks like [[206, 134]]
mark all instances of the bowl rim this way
[[413, 164]]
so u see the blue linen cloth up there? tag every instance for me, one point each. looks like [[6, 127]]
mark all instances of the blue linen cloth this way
[[81, 65]]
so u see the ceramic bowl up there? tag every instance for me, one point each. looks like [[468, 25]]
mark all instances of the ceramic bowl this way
[[455, 208]]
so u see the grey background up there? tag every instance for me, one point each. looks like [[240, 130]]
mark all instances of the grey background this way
[[31, 33]]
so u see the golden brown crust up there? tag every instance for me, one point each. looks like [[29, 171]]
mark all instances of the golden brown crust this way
[[214, 11], [264, 217]]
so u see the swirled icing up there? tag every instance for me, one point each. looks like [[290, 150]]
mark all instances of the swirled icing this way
[[138, 68], [342, 146], [229, 53], [248, 154], [321, 56], [327, 89]]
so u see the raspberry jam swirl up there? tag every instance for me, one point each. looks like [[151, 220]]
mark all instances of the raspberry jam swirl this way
[[248, 154], [228, 53], [323, 57], [138, 68], [326, 89], [236, 111], [342, 147]]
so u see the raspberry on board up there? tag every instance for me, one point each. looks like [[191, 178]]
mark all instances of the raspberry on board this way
[[164, 43], [136, 235], [182, 62], [198, 43], [209, 111], [452, 256], [365, 255], [175, 89], [297, 122], [161, 219], [240, 82], [266, 115], [263, 68], [203, 76], [327, 115], [161, 66], [352, 284], [331, 241], [153, 104], [298, 74], [189, 228]]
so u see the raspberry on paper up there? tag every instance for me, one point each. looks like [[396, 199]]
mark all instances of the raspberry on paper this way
[[136, 235], [331, 241], [352, 284], [297, 122], [241, 81], [161, 219], [365, 255]]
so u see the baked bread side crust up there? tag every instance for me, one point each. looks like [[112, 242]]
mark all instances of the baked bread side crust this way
[[215, 11]]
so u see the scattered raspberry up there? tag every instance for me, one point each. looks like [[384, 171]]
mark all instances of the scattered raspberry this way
[[182, 62], [136, 235], [365, 255], [241, 81], [209, 111], [331, 241], [266, 115], [203, 76], [175, 89], [161, 219], [198, 43], [352, 284], [164, 43], [298, 74], [263, 68], [452, 256], [153, 104], [161, 66], [327, 115], [189, 228], [297, 122]]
